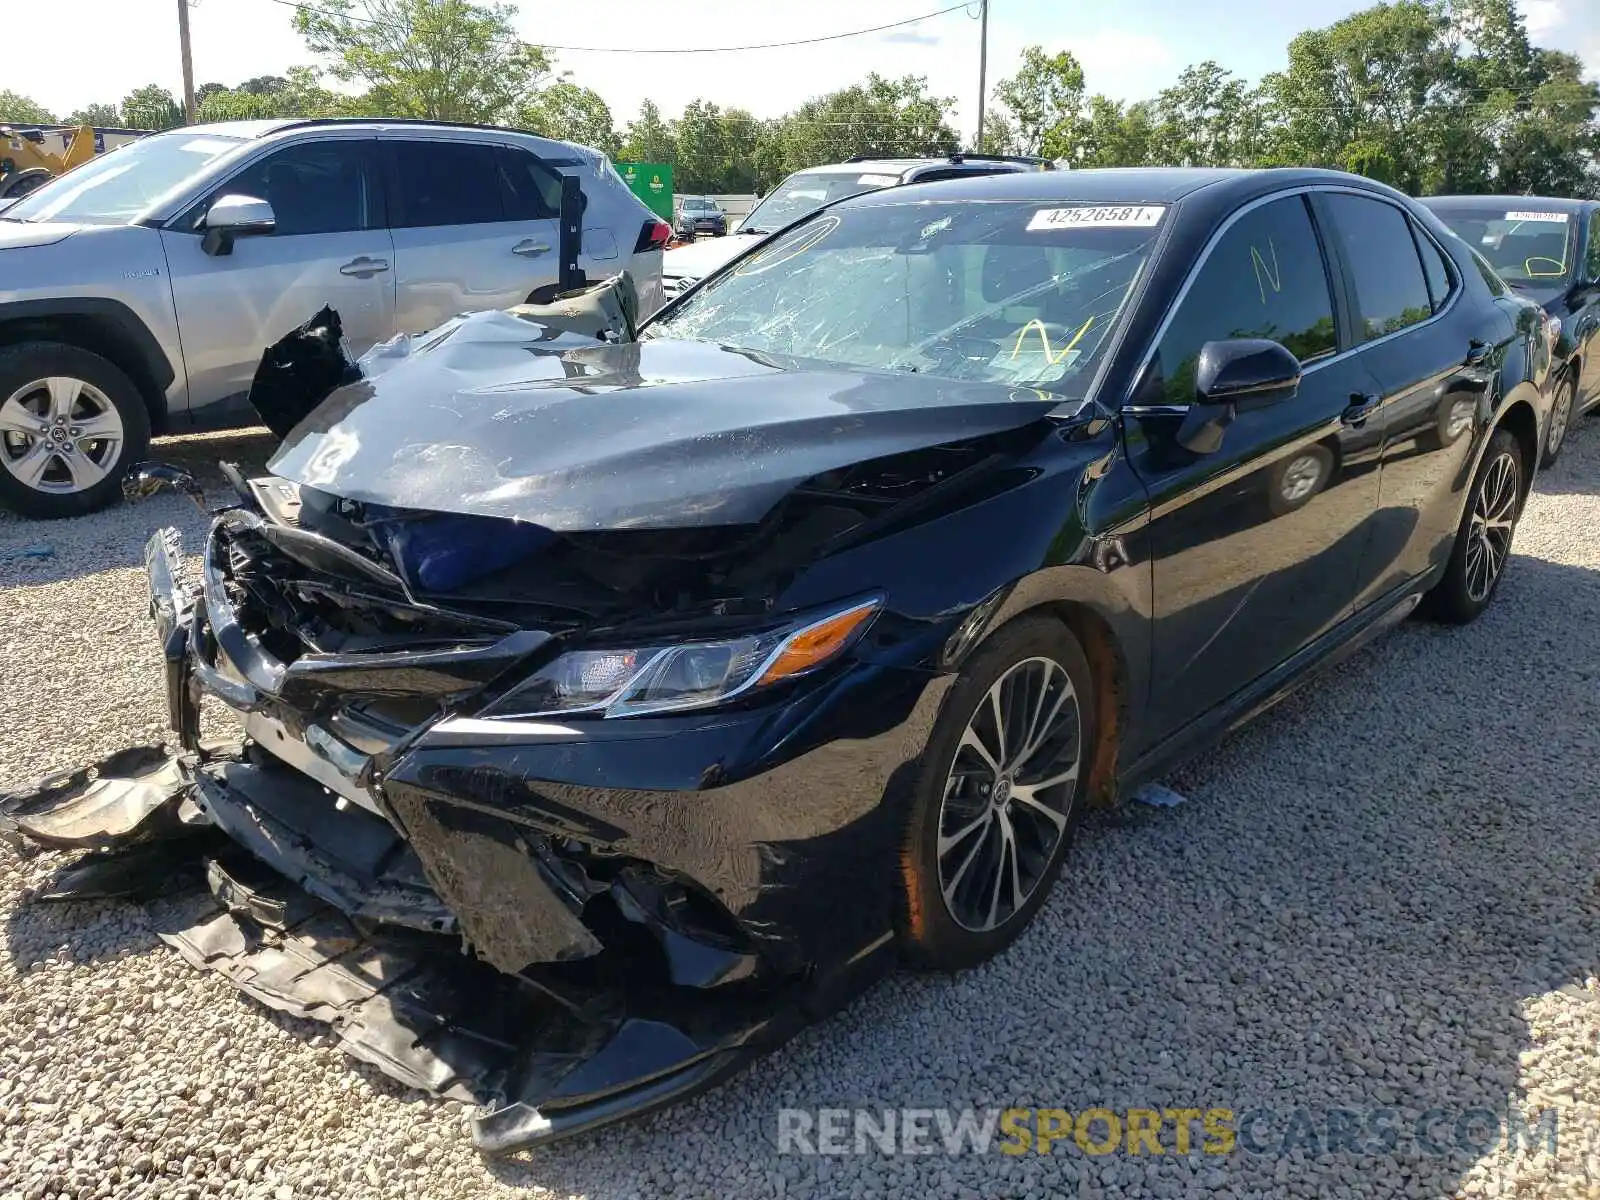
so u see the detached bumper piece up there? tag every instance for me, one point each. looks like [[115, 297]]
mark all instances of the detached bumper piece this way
[[324, 913]]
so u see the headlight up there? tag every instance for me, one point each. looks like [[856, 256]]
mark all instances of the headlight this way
[[630, 682]]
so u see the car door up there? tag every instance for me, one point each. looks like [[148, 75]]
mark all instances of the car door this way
[[328, 246], [1586, 324], [471, 229], [1431, 353], [1255, 546]]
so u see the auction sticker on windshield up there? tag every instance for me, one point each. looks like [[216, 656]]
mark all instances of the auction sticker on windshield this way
[[1537, 216], [1126, 216]]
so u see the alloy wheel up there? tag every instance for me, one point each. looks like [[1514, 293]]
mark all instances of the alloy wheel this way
[[60, 435], [1494, 518], [1560, 418], [1009, 793]]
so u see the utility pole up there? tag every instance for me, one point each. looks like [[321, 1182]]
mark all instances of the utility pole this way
[[188, 63], [983, 64]]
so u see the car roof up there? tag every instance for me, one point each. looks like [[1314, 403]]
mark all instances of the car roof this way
[[1114, 185], [1511, 203]]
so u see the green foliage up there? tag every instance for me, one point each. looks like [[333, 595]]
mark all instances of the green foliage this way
[[572, 113], [1428, 95], [19, 110], [297, 95], [1044, 99], [151, 107], [880, 118], [106, 115], [445, 60]]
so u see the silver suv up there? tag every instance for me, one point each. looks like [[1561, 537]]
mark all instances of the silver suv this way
[[138, 291]]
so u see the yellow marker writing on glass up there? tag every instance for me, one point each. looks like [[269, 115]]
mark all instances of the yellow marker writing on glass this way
[[1050, 357]]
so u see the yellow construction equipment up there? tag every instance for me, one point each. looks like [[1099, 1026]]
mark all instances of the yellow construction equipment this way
[[25, 163]]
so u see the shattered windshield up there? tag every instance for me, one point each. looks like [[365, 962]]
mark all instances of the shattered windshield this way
[[1008, 292], [1527, 245], [120, 185], [802, 194]]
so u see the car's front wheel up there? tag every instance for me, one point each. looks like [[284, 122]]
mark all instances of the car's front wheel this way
[[70, 424], [1002, 787], [1483, 540]]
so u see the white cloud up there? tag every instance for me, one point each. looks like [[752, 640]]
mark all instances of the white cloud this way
[[1542, 17]]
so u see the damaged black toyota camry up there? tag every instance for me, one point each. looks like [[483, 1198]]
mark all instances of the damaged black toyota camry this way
[[612, 706]]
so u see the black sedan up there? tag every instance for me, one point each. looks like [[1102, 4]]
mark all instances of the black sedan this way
[[693, 681], [1549, 250]]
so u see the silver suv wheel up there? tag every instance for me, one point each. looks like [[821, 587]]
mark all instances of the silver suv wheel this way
[[60, 435]]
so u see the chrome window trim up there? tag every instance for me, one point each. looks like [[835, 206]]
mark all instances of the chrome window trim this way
[[1315, 364]]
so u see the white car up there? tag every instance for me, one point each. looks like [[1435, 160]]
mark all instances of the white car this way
[[138, 291], [808, 190]]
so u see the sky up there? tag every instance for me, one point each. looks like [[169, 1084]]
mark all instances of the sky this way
[[100, 50]]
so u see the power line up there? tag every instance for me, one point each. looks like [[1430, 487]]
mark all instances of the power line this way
[[831, 37]]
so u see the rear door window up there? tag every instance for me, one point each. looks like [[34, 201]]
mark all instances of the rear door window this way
[[1434, 269], [529, 190], [1391, 289], [1264, 278], [445, 183]]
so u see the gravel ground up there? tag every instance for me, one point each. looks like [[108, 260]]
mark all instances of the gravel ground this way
[[1381, 895]]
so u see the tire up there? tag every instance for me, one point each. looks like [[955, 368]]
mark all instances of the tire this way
[[1562, 413], [1031, 657], [1460, 596], [14, 187], [46, 471]]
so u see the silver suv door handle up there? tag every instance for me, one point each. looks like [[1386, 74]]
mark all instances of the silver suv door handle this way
[[530, 248], [364, 267]]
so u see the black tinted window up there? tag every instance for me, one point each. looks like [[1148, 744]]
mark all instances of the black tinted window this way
[[530, 191], [1390, 288], [1264, 278], [322, 187], [446, 183], [1434, 268]]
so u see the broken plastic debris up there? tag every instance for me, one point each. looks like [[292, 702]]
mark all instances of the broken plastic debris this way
[[1158, 796]]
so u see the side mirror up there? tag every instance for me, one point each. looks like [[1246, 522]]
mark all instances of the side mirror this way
[[235, 216], [1246, 372], [1230, 376]]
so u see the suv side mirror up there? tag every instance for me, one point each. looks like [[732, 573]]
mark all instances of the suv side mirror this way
[[1239, 373], [235, 216]]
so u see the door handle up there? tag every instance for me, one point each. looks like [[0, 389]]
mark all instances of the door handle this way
[[363, 267], [1477, 352], [1361, 407], [530, 248]]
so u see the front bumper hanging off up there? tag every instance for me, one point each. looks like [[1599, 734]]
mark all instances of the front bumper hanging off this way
[[323, 901]]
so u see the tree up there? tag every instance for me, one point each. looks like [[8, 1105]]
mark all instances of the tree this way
[[1043, 98], [445, 60], [96, 114], [151, 107], [648, 137], [263, 85], [1208, 118], [716, 149], [298, 95], [572, 113], [18, 109], [880, 118], [1114, 136]]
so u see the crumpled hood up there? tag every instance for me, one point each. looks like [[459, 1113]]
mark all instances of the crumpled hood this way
[[21, 235], [700, 258], [495, 416]]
